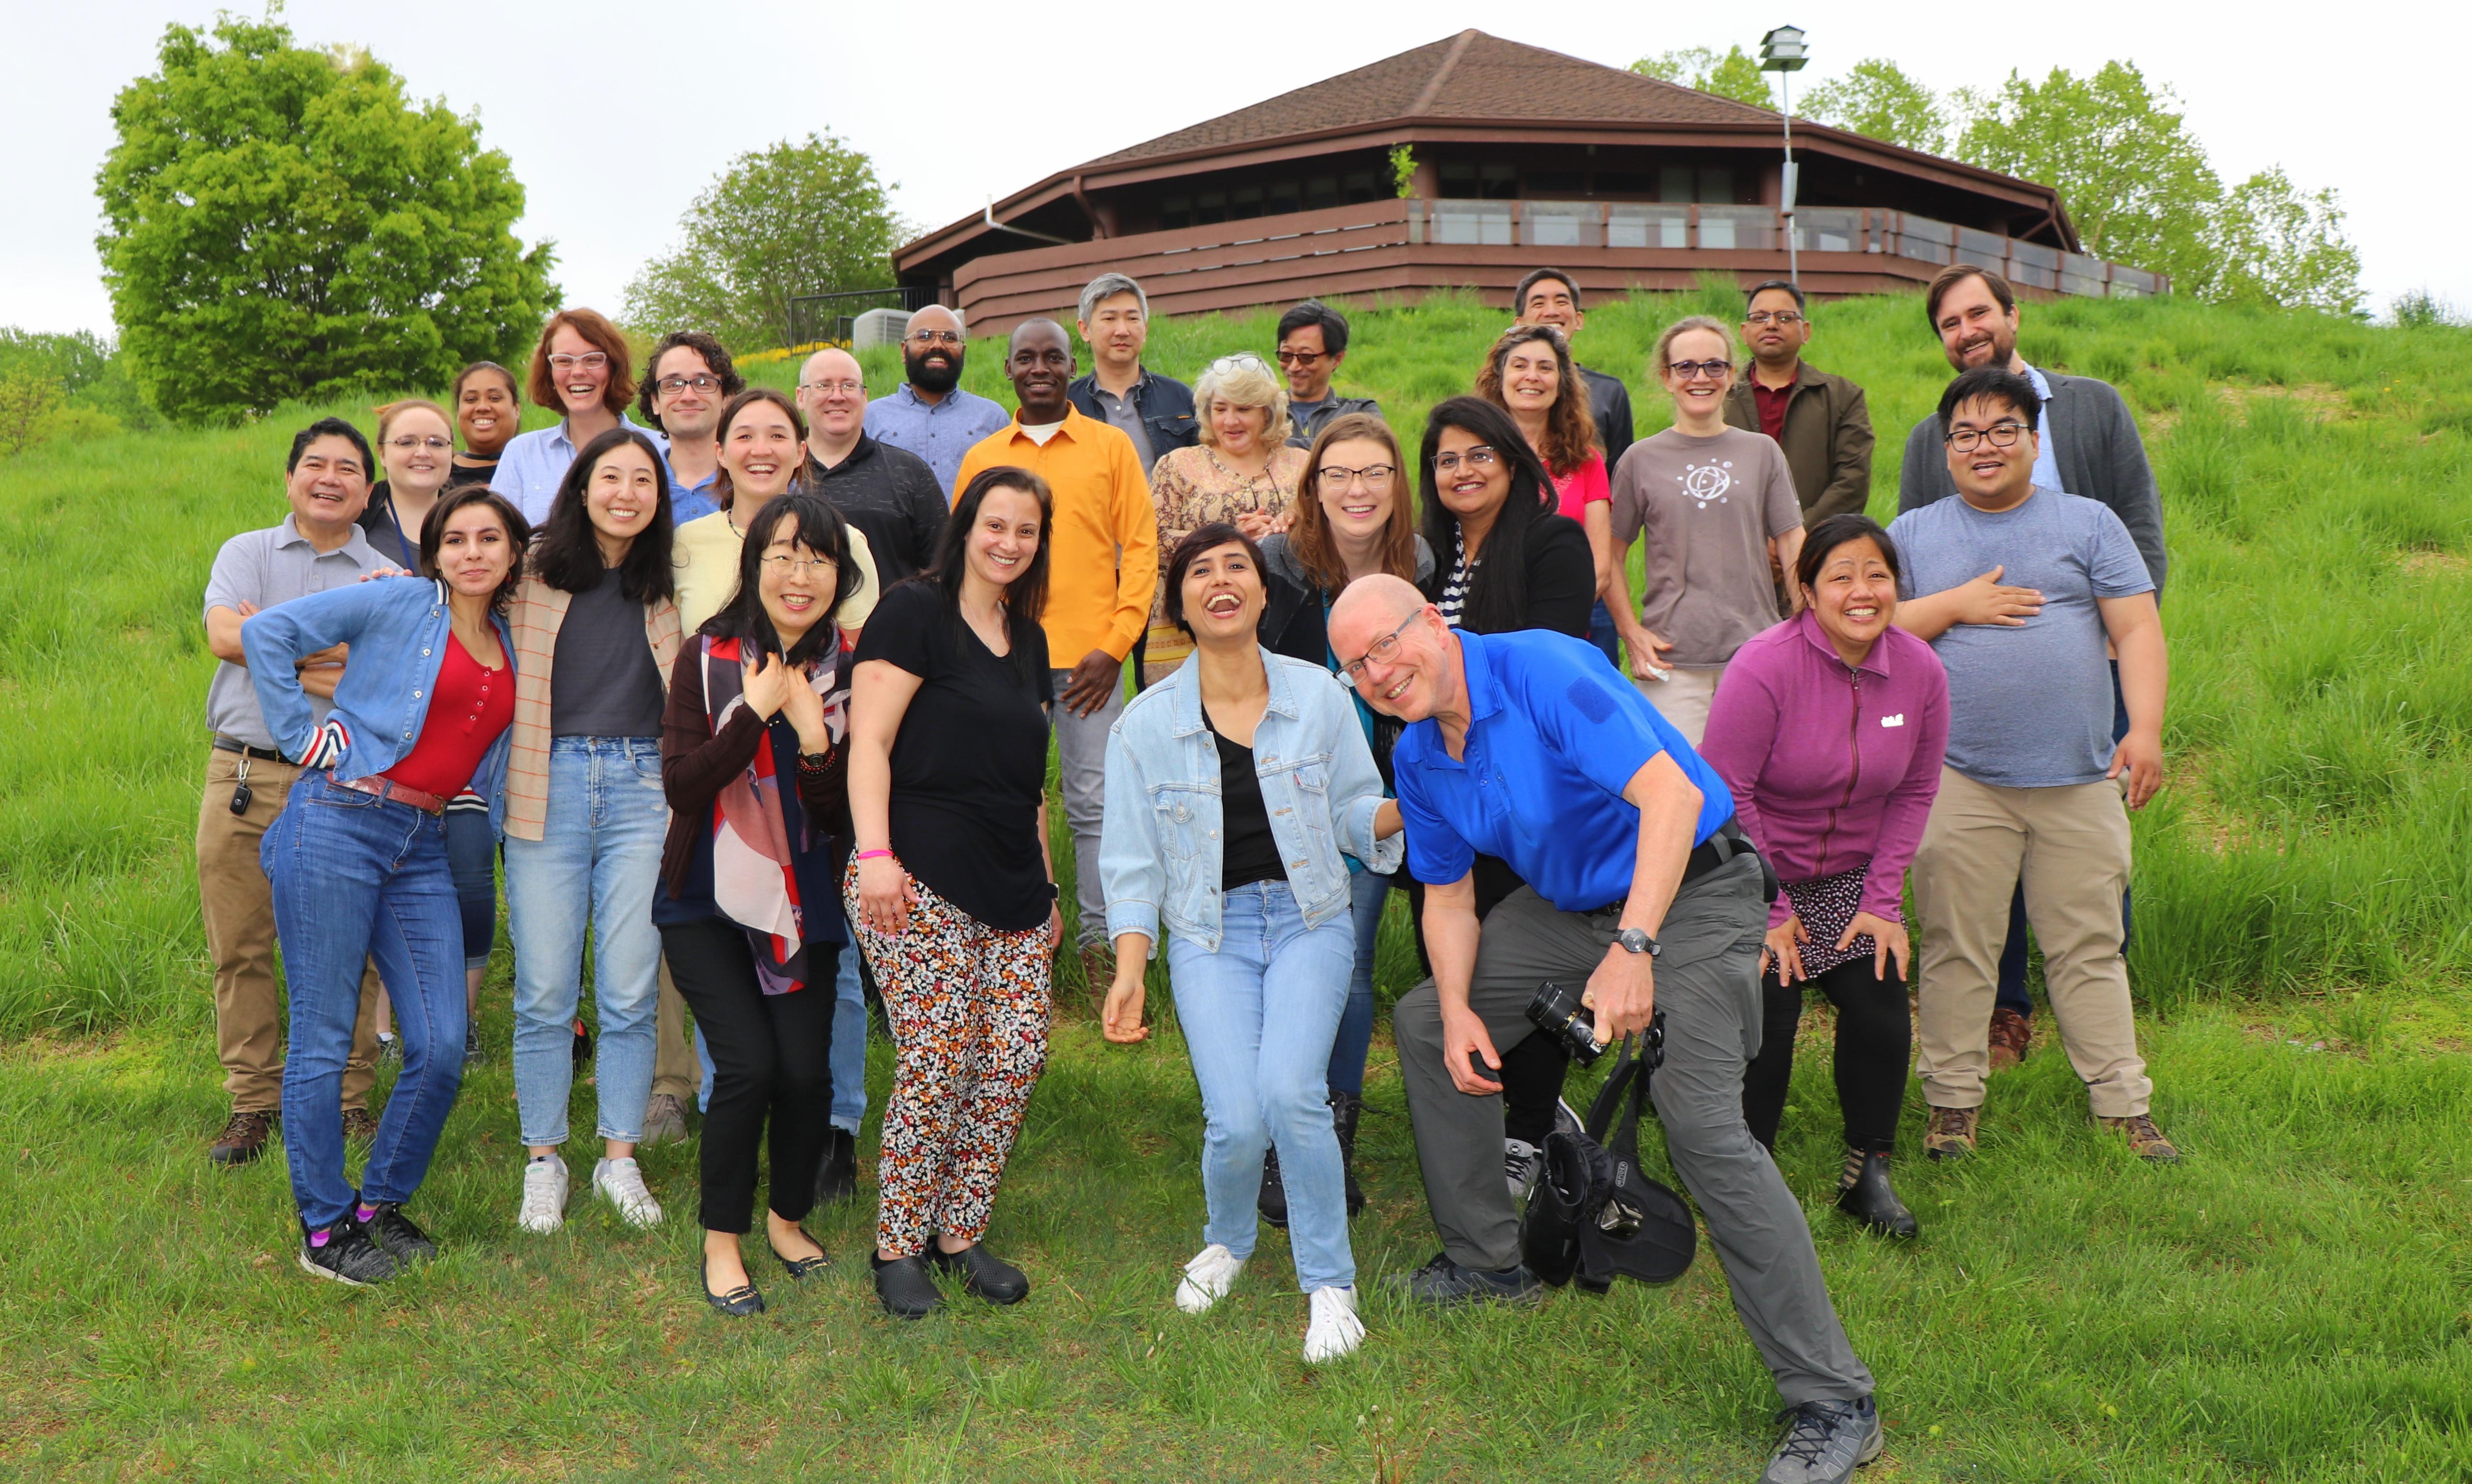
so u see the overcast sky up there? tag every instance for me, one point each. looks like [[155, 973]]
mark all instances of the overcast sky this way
[[617, 113]]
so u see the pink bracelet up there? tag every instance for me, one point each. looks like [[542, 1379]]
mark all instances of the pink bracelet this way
[[875, 855]]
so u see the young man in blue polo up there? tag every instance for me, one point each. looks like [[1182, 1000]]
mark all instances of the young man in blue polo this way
[[1526, 746]]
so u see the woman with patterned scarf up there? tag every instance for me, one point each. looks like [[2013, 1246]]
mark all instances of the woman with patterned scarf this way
[[753, 761]]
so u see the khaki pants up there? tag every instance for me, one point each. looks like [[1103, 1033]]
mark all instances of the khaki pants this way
[[2069, 847], [1682, 698], [239, 912], [674, 1068]]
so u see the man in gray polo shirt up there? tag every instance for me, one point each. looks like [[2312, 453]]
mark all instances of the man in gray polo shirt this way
[[318, 547]]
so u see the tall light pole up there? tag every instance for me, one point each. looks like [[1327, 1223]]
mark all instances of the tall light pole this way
[[1781, 51]]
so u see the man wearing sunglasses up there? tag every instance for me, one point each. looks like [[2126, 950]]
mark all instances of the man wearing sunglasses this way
[[1313, 340], [1820, 420], [1154, 411]]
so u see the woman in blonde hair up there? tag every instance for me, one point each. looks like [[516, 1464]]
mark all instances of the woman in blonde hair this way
[[1241, 472], [1529, 374], [1712, 500]]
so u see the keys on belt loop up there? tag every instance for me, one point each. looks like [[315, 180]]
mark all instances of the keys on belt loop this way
[[241, 791]]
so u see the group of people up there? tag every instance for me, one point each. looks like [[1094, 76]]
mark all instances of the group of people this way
[[759, 691]]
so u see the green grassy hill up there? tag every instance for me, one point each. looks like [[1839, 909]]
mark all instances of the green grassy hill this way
[[2291, 1303]]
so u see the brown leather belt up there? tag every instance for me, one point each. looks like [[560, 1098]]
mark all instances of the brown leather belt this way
[[387, 788]]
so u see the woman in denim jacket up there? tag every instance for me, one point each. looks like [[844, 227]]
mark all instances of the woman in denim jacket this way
[[1233, 788], [358, 857]]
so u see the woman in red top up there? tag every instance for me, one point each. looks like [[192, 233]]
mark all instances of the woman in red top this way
[[1529, 374]]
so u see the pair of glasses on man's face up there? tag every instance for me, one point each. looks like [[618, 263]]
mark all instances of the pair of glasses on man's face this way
[[1783, 318], [934, 337], [672, 386], [1381, 651], [2000, 435]]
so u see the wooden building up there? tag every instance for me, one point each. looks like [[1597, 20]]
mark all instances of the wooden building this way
[[1519, 157]]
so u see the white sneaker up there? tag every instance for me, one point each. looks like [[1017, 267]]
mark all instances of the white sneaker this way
[[544, 1195], [1207, 1278], [1523, 1164], [1335, 1330], [620, 1183]]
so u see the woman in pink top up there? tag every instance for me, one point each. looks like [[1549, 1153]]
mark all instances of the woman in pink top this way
[[1829, 729], [1528, 374]]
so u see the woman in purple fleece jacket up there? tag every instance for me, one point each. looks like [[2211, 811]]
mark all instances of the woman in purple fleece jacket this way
[[1829, 729]]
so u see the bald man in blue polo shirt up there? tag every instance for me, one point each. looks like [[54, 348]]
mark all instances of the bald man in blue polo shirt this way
[[1528, 746]]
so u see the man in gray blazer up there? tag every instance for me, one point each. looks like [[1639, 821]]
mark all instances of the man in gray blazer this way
[[2090, 447]]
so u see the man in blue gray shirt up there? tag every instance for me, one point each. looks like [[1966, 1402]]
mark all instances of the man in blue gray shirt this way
[[929, 413], [2019, 588]]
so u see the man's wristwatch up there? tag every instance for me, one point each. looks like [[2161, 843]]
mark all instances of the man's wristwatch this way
[[1636, 940]]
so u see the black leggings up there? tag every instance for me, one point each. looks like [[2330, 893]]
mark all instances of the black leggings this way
[[1874, 1039], [772, 1058]]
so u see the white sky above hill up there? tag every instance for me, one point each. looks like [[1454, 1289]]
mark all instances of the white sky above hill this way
[[615, 113]]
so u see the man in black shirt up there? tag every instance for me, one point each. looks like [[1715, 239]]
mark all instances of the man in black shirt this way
[[1549, 296], [889, 493]]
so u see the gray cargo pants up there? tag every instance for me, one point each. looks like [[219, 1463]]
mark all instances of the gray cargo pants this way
[[1707, 985]]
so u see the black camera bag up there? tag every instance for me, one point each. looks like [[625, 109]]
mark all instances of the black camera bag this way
[[1595, 1216]]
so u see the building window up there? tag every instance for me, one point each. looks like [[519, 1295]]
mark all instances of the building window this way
[[1557, 182], [1716, 185], [1322, 191], [1625, 182], [1175, 211], [1285, 197], [1245, 202], [1208, 207], [1674, 183], [1357, 186]]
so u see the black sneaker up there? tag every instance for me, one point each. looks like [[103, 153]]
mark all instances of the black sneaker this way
[[1827, 1442], [346, 1256], [1443, 1282], [472, 1040], [396, 1237], [1272, 1199]]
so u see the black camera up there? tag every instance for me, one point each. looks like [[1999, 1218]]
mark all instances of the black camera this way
[[1557, 1011]]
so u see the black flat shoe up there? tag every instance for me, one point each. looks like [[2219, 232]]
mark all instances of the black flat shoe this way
[[799, 1267], [904, 1288], [1273, 1201], [1865, 1195], [738, 1303], [981, 1273]]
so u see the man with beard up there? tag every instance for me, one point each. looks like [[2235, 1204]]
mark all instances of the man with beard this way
[[691, 377], [1154, 411], [929, 413], [1102, 571], [888, 492], [2089, 447], [1549, 296]]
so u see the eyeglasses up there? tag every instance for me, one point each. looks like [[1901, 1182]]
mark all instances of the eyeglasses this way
[[2000, 435], [406, 442], [827, 387], [1479, 457], [592, 360], [1301, 357], [799, 566], [1693, 371], [1783, 318], [1382, 650], [1226, 365], [1337, 478], [672, 386], [933, 337]]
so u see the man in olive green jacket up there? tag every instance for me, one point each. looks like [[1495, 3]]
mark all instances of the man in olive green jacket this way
[[1818, 420]]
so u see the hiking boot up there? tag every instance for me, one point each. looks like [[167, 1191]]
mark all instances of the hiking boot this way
[[343, 1254], [243, 1139], [1444, 1283], [395, 1233], [665, 1120], [1272, 1200], [2012, 1035], [1949, 1132], [1864, 1193], [1345, 1108], [359, 1125], [1826, 1442], [2145, 1140]]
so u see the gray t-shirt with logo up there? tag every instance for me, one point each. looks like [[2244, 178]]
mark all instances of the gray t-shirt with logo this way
[[267, 567], [1708, 508], [2029, 705]]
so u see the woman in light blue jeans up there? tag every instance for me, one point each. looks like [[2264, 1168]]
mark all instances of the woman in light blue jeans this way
[[596, 633], [1233, 788]]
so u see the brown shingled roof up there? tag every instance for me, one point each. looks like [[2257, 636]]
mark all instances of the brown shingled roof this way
[[1469, 76]]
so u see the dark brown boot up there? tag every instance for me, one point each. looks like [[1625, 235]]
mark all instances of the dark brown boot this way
[[243, 1139], [2012, 1035]]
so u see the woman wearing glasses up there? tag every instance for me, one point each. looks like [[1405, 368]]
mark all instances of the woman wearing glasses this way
[[1713, 501], [580, 366], [1529, 374], [1243, 473], [1235, 789], [1356, 517], [752, 759]]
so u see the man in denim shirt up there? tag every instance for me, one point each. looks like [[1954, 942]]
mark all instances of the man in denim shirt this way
[[929, 413]]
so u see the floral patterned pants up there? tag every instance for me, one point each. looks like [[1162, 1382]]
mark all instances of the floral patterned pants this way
[[969, 1009]]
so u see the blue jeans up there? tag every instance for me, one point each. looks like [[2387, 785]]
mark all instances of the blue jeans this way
[[849, 1045], [1601, 633], [355, 877], [1259, 1017], [472, 856], [599, 858], [1368, 892]]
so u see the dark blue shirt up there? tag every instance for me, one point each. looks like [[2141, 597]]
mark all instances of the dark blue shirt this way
[[1554, 738]]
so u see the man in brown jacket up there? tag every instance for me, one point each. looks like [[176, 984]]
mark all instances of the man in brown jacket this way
[[1817, 418]]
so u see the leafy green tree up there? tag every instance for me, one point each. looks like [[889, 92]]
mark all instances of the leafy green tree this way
[[802, 217], [28, 399], [2275, 244], [283, 223], [1878, 100], [1734, 75]]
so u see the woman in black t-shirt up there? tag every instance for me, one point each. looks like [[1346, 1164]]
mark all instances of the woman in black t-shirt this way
[[950, 890], [488, 412]]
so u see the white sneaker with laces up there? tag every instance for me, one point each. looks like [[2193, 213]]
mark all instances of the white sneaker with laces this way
[[544, 1195], [1523, 1164], [1335, 1330], [620, 1183], [1207, 1278]]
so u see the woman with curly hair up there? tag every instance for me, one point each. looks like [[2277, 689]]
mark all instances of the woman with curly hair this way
[[1529, 374]]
